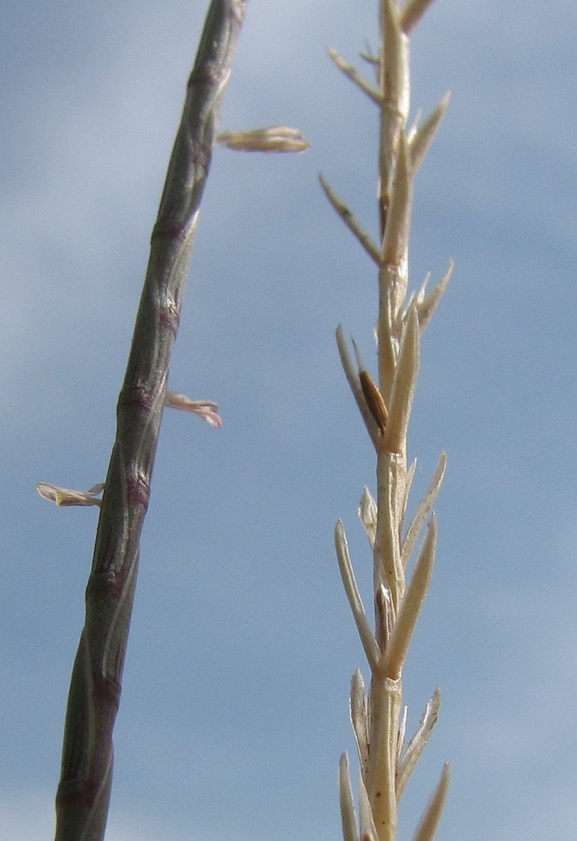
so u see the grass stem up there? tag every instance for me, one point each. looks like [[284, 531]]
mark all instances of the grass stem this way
[[87, 759]]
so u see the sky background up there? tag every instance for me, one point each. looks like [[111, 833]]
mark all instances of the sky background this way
[[234, 709]]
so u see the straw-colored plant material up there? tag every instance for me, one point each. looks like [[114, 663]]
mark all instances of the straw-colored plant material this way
[[67, 497], [423, 509], [432, 814], [269, 139], [427, 304], [355, 76], [350, 221], [410, 605], [421, 138], [371, 648], [206, 409], [385, 401], [355, 386], [359, 719], [408, 758], [348, 819]]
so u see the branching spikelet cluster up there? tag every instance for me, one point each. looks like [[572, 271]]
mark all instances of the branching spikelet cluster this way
[[386, 756]]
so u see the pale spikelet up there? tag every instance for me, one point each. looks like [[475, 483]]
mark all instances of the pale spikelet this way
[[387, 565], [432, 814], [355, 386], [404, 383], [348, 577], [422, 137], [368, 830], [351, 222], [348, 819], [368, 515], [354, 76], [359, 719], [206, 409], [409, 757], [396, 236], [423, 510], [408, 483], [67, 497], [410, 606], [401, 738], [427, 306], [412, 12], [269, 139]]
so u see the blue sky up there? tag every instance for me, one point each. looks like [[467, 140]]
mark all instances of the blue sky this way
[[234, 709]]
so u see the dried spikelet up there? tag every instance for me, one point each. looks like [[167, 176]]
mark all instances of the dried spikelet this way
[[269, 139], [67, 497]]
